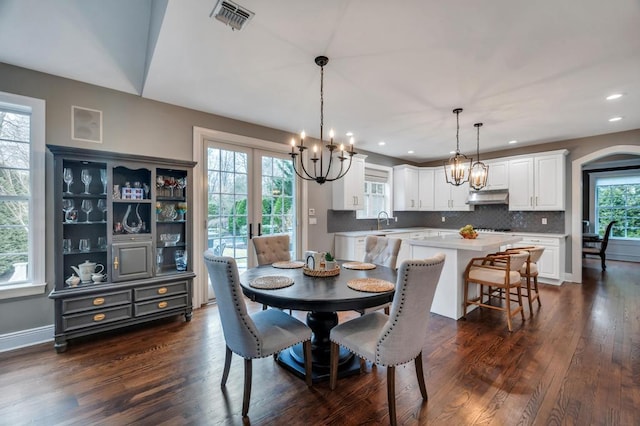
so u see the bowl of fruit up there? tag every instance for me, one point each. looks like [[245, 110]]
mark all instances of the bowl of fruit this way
[[468, 233]]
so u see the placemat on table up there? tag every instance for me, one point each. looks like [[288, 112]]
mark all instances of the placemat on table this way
[[271, 282], [358, 265], [371, 285], [288, 264]]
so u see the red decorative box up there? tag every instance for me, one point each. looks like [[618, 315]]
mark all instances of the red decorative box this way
[[132, 193]]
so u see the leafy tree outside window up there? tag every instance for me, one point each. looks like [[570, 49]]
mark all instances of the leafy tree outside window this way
[[618, 198]]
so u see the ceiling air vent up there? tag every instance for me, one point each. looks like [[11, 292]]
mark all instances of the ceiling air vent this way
[[231, 14]]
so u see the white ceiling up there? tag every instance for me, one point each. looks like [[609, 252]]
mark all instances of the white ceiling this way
[[534, 71]]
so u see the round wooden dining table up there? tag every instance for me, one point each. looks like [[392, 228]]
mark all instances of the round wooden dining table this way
[[322, 297]]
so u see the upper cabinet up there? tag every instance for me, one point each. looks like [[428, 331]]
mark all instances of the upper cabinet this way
[[448, 197], [425, 189], [348, 192], [498, 177], [412, 188], [537, 182]]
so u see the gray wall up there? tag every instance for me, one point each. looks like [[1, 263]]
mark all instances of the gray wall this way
[[140, 126]]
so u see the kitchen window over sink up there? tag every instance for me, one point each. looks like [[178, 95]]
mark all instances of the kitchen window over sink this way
[[22, 196], [377, 191]]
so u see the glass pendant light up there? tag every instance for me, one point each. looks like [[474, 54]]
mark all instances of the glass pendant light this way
[[456, 170], [479, 170]]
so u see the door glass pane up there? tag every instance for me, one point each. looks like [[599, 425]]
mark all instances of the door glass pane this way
[[278, 201]]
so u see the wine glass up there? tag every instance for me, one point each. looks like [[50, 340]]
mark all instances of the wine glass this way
[[67, 176], [87, 207], [102, 206], [86, 179], [67, 206], [103, 179]]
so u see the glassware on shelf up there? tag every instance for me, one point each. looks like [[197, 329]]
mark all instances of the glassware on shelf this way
[[67, 176], [66, 245], [102, 206], [67, 206], [102, 242], [85, 244], [103, 179], [169, 212], [181, 260], [181, 184], [86, 178], [159, 260], [182, 210], [87, 207]]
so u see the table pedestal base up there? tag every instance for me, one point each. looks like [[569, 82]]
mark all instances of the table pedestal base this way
[[321, 324]]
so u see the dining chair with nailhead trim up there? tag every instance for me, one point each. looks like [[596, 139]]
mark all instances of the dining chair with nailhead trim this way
[[397, 338], [258, 335]]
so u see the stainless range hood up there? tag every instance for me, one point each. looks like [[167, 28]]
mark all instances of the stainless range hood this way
[[500, 196]]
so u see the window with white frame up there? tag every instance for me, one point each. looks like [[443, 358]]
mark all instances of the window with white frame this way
[[377, 191], [617, 197], [22, 200]]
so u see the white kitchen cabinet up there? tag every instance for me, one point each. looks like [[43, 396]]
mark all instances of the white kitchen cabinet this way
[[349, 248], [348, 192], [551, 264], [538, 182], [498, 177], [426, 189], [405, 188], [448, 197]]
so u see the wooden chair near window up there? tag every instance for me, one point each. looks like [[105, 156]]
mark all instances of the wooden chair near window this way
[[497, 271], [600, 247], [529, 273]]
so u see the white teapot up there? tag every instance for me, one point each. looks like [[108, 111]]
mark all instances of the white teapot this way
[[87, 269]]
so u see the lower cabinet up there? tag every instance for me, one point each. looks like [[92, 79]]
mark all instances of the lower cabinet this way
[[349, 248], [551, 264], [110, 306]]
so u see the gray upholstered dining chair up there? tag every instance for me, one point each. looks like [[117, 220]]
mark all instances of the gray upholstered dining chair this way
[[397, 338], [258, 335], [271, 248], [381, 251]]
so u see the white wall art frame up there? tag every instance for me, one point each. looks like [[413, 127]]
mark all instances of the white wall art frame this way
[[86, 124]]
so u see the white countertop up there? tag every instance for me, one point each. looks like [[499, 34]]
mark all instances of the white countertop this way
[[484, 242], [391, 231]]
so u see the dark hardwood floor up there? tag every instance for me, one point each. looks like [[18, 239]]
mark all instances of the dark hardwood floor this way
[[575, 361]]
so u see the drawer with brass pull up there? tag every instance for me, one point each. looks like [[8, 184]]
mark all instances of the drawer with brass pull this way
[[159, 305], [160, 290], [101, 300], [95, 318]]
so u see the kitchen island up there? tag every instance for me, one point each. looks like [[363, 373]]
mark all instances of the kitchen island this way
[[449, 298]]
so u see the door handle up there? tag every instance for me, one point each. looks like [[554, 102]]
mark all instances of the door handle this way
[[250, 230], [259, 229]]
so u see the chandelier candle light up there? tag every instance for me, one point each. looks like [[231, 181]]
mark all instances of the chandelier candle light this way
[[456, 170], [479, 170], [321, 176]]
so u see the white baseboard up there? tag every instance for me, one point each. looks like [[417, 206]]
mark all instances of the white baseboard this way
[[23, 338]]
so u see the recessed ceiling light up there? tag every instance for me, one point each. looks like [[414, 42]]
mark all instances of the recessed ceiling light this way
[[512, 142], [382, 143], [349, 133], [410, 152], [614, 96], [612, 119], [452, 152]]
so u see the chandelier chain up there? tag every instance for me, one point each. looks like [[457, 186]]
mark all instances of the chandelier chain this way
[[321, 102]]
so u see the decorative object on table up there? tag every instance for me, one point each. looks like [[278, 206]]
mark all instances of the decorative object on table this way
[[468, 233], [181, 260], [86, 269], [288, 264], [370, 285], [320, 175], [456, 170], [321, 272], [329, 262], [169, 239], [86, 124], [135, 227], [479, 171], [271, 282], [361, 266], [315, 260], [73, 280], [85, 177]]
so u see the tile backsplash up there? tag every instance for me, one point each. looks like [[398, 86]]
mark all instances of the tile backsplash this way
[[487, 216]]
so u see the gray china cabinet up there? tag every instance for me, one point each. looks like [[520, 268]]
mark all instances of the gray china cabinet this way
[[122, 240]]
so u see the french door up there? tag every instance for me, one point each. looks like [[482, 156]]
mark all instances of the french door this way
[[250, 192]]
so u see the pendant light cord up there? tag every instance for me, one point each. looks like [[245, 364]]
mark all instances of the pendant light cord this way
[[321, 101]]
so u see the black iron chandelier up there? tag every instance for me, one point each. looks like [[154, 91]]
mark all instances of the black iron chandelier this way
[[456, 170], [479, 170], [327, 151]]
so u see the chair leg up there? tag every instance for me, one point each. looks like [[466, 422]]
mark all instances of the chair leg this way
[[391, 394], [306, 346], [247, 387], [466, 298], [264, 307], [535, 285], [333, 367], [420, 374], [227, 366], [603, 257], [519, 290], [529, 294], [508, 308]]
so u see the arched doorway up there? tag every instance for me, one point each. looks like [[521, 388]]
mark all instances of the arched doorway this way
[[576, 201]]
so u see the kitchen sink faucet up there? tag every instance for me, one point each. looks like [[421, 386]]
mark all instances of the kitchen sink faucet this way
[[379, 217]]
